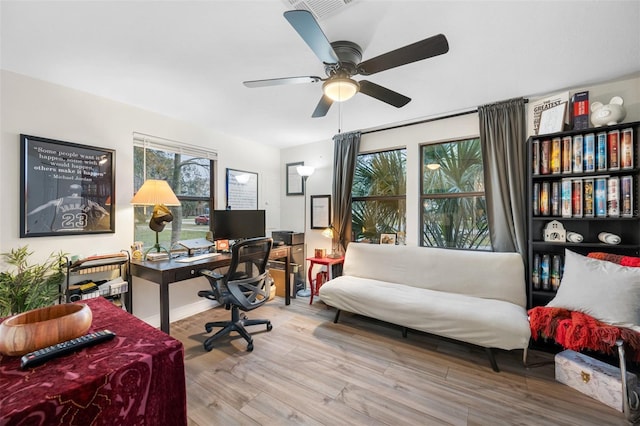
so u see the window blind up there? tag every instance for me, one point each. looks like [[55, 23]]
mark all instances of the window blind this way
[[158, 143]]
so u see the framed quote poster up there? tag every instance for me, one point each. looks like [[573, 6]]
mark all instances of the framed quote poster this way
[[242, 190], [65, 188]]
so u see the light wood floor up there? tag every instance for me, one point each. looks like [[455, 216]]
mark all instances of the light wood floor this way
[[308, 370]]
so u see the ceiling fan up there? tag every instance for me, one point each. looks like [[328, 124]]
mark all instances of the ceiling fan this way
[[342, 61]]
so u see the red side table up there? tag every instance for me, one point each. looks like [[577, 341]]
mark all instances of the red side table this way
[[322, 276]]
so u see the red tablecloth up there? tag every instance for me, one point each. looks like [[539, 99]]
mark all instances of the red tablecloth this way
[[137, 378]]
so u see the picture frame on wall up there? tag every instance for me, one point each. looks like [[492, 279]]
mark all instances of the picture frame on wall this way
[[552, 119], [320, 211], [295, 183], [242, 190], [65, 188], [388, 239]]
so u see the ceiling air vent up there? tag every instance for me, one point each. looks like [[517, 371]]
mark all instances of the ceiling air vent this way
[[319, 8]]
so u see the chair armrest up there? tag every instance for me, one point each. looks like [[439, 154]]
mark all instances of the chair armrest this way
[[215, 275]]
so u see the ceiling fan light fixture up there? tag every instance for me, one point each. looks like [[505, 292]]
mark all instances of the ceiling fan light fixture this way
[[340, 89]]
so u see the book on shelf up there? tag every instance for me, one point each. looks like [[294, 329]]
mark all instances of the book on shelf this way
[[626, 194], [536, 199], [600, 191], [545, 193], [626, 149], [580, 110], [577, 153], [589, 202], [613, 197]]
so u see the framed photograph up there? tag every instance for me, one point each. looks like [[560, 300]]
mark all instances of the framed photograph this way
[[65, 188], [295, 183], [242, 190], [552, 119], [388, 239], [320, 211]]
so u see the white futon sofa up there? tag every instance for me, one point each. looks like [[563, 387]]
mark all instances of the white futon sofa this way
[[471, 296]]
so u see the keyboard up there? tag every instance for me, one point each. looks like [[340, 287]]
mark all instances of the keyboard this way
[[195, 258]]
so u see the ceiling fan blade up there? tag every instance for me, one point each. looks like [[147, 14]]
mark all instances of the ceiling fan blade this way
[[305, 24], [383, 94], [323, 107], [427, 48], [281, 81]]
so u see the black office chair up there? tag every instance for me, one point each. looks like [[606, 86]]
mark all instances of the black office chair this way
[[245, 286]]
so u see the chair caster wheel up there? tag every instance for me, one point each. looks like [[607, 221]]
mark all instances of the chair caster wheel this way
[[269, 326], [208, 347], [250, 347], [208, 328]]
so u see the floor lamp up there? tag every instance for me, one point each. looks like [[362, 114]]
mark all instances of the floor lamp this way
[[305, 172], [156, 193]]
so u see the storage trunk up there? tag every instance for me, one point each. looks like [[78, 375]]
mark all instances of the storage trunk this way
[[592, 377]]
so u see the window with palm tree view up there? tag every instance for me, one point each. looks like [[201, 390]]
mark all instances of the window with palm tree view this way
[[378, 204], [191, 180], [453, 208]]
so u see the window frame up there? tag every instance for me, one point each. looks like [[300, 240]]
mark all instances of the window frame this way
[[448, 195]]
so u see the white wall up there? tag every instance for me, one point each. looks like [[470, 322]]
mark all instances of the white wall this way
[[39, 108]]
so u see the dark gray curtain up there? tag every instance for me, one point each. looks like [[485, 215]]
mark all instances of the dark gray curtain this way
[[345, 153], [503, 139]]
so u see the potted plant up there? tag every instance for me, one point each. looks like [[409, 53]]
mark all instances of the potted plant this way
[[29, 286]]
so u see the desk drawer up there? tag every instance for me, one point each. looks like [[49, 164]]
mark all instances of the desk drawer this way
[[187, 273]]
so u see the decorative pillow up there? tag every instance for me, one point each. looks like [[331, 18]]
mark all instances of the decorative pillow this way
[[601, 289], [616, 258]]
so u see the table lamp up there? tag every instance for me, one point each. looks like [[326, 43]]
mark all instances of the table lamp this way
[[330, 232], [156, 193]]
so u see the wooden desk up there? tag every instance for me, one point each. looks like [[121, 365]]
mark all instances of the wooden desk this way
[[167, 272], [137, 378]]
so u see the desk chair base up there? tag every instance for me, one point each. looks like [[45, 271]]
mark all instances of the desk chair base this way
[[238, 324]]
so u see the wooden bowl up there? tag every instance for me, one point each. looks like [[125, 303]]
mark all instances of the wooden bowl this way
[[39, 328]]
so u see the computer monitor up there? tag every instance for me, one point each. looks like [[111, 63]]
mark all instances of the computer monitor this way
[[238, 224]]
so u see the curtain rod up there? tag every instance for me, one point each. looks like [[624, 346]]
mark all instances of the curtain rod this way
[[427, 120]]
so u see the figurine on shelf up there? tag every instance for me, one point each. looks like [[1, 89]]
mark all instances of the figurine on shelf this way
[[610, 114]]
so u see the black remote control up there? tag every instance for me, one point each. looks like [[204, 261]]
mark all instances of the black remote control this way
[[45, 354]]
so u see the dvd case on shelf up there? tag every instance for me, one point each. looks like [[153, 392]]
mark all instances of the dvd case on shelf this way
[[626, 190], [535, 156], [545, 191], [600, 191], [567, 167], [613, 197], [536, 199], [589, 153], [555, 198], [556, 147], [601, 151], [577, 153], [576, 197], [566, 198], [626, 149], [545, 157], [613, 144], [589, 206]]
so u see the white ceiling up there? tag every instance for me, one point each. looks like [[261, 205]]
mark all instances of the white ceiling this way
[[188, 59]]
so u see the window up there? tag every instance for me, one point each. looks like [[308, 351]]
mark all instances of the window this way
[[453, 208], [379, 196], [190, 175]]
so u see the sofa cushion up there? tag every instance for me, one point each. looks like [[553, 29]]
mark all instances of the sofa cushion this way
[[488, 275], [484, 322]]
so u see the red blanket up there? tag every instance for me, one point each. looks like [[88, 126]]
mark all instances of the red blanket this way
[[577, 331]]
